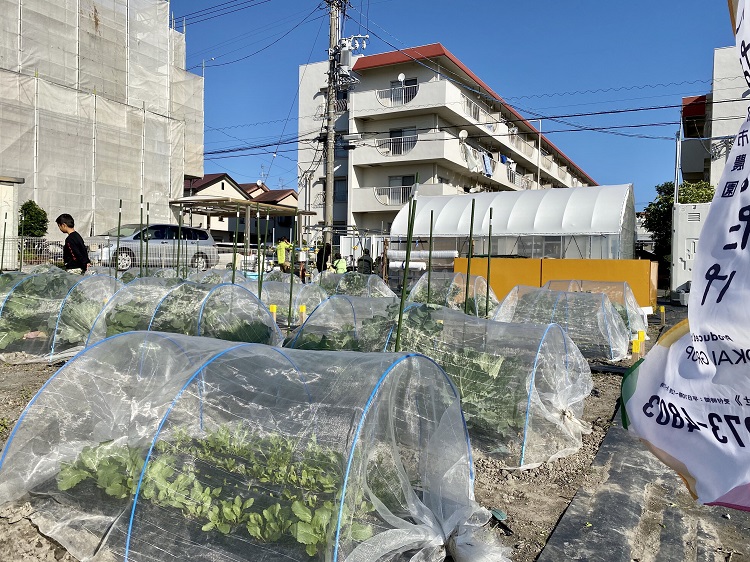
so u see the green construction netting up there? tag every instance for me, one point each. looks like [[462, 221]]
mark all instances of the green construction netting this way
[[590, 319], [151, 446], [522, 385], [447, 288]]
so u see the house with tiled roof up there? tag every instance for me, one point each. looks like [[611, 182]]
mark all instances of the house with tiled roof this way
[[222, 185]]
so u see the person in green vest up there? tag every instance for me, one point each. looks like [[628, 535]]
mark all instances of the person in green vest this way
[[339, 264], [281, 256]]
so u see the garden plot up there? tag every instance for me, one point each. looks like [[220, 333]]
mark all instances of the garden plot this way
[[277, 293], [522, 386], [446, 288], [619, 293], [226, 311], [353, 284], [218, 275], [48, 316], [590, 319], [151, 446]]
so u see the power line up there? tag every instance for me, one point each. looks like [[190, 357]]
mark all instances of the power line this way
[[212, 12]]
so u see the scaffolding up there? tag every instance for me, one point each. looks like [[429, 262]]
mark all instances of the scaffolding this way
[[96, 107]]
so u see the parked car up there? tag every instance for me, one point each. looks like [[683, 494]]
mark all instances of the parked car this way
[[197, 248]]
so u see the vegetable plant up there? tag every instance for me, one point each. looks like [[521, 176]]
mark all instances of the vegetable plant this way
[[230, 480]]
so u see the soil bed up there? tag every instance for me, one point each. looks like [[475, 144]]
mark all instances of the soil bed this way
[[534, 500]]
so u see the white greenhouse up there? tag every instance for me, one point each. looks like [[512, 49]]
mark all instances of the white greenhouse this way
[[575, 223]]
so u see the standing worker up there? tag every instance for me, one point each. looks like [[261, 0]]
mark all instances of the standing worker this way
[[323, 257], [281, 249], [364, 263], [339, 264], [75, 254]]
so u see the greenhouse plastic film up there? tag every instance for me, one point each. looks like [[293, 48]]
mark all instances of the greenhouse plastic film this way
[[522, 386], [588, 318], [152, 446]]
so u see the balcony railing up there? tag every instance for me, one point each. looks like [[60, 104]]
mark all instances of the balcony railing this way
[[396, 146], [519, 180], [478, 113], [394, 97], [398, 195], [547, 162], [524, 147]]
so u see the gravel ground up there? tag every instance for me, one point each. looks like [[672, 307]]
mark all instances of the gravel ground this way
[[534, 500]]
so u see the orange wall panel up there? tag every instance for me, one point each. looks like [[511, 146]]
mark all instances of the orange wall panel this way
[[636, 272], [505, 273]]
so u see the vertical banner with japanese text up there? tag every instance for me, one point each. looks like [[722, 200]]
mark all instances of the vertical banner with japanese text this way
[[689, 399]]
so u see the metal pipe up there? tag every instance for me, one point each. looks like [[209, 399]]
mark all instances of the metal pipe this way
[[291, 277], [409, 234], [117, 244], [471, 255], [429, 259], [140, 240], [489, 257], [147, 226], [2, 256], [234, 246], [179, 243]]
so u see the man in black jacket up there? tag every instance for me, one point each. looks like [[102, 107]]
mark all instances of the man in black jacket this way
[[364, 263], [75, 253]]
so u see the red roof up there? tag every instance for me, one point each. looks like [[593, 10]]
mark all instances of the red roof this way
[[252, 187], [198, 184], [273, 196], [436, 50], [694, 106]]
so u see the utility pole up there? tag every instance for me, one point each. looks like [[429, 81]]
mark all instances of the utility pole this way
[[334, 7]]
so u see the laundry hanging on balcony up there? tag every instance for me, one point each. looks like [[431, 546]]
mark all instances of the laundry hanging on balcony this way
[[487, 162], [471, 160]]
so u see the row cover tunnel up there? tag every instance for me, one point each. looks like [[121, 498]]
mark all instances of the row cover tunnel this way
[[152, 446], [522, 386]]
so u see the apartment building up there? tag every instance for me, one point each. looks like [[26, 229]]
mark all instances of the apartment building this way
[[711, 121], [417, 120]]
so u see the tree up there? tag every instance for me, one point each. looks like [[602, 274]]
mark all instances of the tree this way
[[658, 213], [33, 220]]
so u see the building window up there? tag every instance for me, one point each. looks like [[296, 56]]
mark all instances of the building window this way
[[402, 140], [398, 181], [441, 179], [339, 190], [402, 93]]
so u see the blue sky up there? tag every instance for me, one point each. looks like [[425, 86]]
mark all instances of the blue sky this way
[[549, 58]]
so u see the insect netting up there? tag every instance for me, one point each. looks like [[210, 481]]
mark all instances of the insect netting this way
[[620, 295], [226, 311], [354, 284], [308, 295], [588, 318], [522, 386], [131, 308], [281, 277], [43, 315], [218, 275], [151, 446], [446, 288]]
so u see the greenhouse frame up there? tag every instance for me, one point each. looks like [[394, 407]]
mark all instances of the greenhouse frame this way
[[579, 222]]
